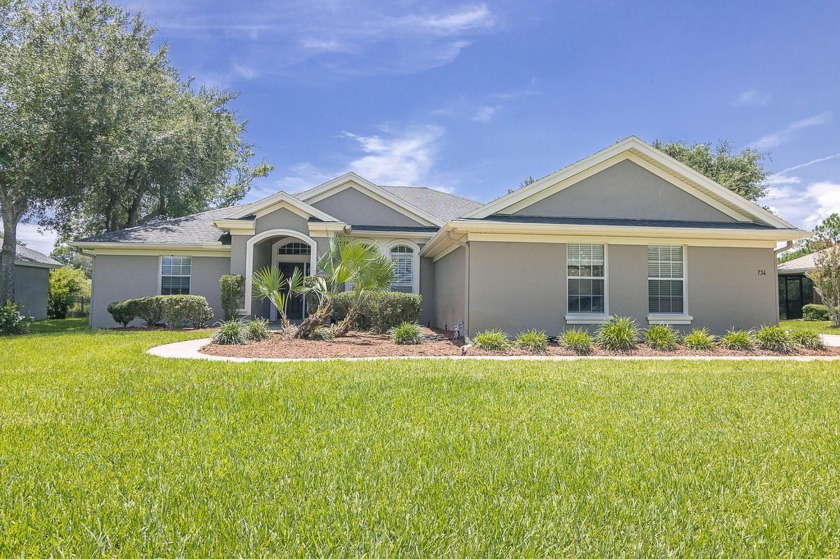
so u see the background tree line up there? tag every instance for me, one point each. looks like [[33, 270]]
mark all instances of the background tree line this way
[[99, 132]]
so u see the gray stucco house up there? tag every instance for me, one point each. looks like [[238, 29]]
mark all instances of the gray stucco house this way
[[627, 231], [32, 281]]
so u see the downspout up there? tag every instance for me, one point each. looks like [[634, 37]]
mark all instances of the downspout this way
[[788, 246], [466, 246]]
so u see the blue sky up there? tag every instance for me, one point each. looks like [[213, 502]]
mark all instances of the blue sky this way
[[473, 97]]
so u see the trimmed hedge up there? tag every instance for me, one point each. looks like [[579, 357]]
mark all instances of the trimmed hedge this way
[[175, 311], [383, 311], [816, 312], [232, 288]]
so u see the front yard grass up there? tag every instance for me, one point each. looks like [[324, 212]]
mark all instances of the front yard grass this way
[[823, 327], [106, 451]]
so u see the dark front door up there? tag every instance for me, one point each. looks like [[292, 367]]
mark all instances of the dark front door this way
[[294, 308], [794, 293]]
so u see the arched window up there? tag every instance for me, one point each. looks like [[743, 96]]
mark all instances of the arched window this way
[[403, 258], [296, 249]]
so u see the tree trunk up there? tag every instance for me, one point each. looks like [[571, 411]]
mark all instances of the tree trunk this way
[[7, 256], [313, 321]]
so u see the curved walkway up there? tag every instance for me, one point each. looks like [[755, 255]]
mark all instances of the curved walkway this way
[[190, 350]]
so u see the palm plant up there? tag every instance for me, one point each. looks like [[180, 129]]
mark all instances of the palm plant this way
[[270, 283]]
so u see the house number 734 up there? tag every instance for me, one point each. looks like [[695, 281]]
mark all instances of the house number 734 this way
[[762, 273]]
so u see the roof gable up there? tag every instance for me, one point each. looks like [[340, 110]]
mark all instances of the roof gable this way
[[377, 193], [652, 160], [281, 200]]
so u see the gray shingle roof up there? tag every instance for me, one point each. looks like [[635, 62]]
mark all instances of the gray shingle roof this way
[[802, 264], [198, 228], [27, 256], [622, 222]]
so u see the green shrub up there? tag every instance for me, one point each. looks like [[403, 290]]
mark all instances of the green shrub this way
[[408, 333], [256, 330], [230, 332], [382, 311], [123, 312], [807, 339], [232, 288], [739, 340], [323, 333], [185, 310], [65, 284], [532, 340], [816, 312], [619, 334], [699, 339], [492, 340], [661, 336], [774, 338], [148, 309], [12, 322], [577, 340]]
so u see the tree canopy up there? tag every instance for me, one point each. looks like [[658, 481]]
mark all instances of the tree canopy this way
[[99, 132], [742, 173]]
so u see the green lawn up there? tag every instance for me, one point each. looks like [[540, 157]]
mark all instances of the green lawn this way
[[818, 326], [105, 451]]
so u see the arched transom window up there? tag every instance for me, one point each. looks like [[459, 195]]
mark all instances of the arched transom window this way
[[296, 249], [403, 258]]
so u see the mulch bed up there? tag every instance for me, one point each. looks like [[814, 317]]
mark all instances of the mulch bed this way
[[438, 343]]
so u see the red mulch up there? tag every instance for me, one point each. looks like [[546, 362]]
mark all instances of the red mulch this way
[[367, 344]]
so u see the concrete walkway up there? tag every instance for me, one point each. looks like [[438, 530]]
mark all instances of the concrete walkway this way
[[190, 350], [832, 340]]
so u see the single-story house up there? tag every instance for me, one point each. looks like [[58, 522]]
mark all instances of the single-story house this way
[[795, 288], [32, 281], [627, 231]]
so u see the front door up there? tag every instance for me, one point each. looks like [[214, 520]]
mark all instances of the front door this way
[[294, 307], [792, 296]]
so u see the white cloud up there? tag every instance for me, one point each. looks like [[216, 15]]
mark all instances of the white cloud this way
[[751, 97], [402, 158], [485, 113], [42, 241], [788, 132], [806, 206]]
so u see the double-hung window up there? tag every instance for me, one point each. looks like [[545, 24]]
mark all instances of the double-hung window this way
[[666, 279], [586, 272], [403, 258], [175, 275]]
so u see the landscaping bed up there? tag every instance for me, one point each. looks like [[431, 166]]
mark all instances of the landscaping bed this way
[[438, 343]]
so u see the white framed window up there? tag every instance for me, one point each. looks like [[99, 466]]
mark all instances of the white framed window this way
[[403, 258], [586, 272], [666, 282], [175, 274]]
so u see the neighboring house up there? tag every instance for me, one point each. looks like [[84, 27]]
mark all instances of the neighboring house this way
[[627, 231], [32, 281], [795, 288]]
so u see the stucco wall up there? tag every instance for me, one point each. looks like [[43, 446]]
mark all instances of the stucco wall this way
[[517, 286], [282, 219], [31, 288], [116, 278], [626, 191], [450, 289], [627, 282], [427, 291], [725, 289], [357, 208]]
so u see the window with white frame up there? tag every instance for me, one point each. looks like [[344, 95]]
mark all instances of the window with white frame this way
[[666, 279], [586, 271], [403, 258], [175, 275]]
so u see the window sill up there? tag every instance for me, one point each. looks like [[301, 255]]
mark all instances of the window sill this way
[[666, 318], [587, 318]]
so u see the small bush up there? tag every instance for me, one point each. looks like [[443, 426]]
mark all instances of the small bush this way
[[123, 312], [619, 334], [699, 340], [256, 330], [577, 340], [407, 333], [661, 336], [774, 338], [816, 312], [807, 339], [739, 340], [12, 322], [148, 309], [232, 288], [532, 340], [382, 311], [230, 332], [323, 333], [185, 310], [492, 340]]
